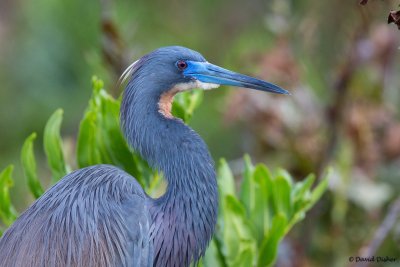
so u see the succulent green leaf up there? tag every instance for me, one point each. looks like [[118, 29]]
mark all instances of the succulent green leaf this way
[[87, 152], [260, 211], [281, 192], [236, 232], [8, 213], [269, 246], [185, 104], [53, 146], [100, 140], [29, 166], [213, 256], [306, 199], [247, 187], [283, 174], [226, 183], [302, 188], [318, 191], [244, 258]]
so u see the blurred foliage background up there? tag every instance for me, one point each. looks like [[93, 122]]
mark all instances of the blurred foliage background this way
[[339, 59]]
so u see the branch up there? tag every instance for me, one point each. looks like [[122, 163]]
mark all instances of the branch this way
[[382, 232], [112, 45], [334, 112]]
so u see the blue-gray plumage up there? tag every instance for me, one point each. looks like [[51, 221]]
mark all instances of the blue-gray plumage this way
[[100, 216]]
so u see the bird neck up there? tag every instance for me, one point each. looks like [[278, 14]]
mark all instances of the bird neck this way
[[184, 217]]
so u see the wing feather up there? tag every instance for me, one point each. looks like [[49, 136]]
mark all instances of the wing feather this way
[[96, 216]]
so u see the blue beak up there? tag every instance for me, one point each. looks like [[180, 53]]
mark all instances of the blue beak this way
[[209, 73]]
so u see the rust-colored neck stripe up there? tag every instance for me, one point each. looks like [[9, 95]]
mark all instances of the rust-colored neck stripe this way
[[165, 103]]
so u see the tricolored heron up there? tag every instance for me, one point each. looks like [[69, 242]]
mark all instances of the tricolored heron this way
[[100, 215]]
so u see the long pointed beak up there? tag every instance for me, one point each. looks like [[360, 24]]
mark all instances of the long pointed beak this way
[[209, 73]]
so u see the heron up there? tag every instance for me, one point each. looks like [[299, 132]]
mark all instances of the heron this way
[[101, 216]]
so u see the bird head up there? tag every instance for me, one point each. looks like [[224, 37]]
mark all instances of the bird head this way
[[174, 69]]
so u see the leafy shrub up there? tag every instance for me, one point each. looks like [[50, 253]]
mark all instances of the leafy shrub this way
[[253, 221]]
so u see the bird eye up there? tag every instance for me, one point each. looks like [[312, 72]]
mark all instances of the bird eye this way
[[181, 64]]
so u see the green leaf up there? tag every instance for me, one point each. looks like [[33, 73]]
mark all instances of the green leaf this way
[[87, 151], [97, 84], [185, 103], [282, 195], [302, 188], [8, 213], [244, 258], [115, 146], [301, 197], [286, 176], [100, 140], [308, 199], [269, 246], [212, 256], [260, 211], [233, 206], [247, 195], [53, 146], [255, 196], [90, 145], [318, 191], [29, 166], [226, 182], [236, 232], [156, 184]]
